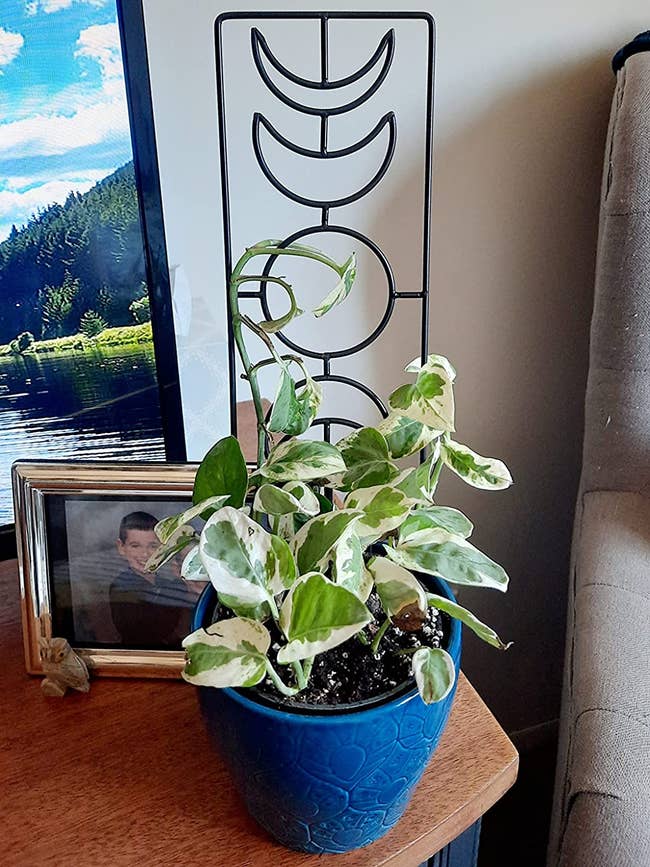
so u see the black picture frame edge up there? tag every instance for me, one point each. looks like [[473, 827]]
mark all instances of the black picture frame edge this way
[[130, 16]]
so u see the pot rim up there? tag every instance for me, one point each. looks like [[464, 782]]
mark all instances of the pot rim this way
[[347, 712]]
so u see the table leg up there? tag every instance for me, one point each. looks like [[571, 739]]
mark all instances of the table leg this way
[[461, 852]]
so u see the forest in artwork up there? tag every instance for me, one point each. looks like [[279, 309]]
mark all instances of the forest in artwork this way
[[75, 268]]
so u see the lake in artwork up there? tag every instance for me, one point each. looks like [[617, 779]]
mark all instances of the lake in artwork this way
[[98, 404]]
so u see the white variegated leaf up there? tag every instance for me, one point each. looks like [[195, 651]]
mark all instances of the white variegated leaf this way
[[404, 435], [367, 460], [286, 500], [384, 508], [228, 653], [242, 559], [348, 567], [430, 399], [342, 289], [455, 610], [441, 517], [301, 460], [315, 541], [434, 672], [396, 586], [192, 568], [177, 542], [318, 615], [449, 556], [164, 529], [487, 473]]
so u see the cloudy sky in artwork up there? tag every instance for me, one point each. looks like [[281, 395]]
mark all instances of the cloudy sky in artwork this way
[[63, 116]]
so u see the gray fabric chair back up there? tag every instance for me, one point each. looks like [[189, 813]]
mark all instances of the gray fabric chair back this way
[[617, 422]]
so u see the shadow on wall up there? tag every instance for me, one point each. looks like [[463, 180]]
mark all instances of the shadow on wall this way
[[515, 219]]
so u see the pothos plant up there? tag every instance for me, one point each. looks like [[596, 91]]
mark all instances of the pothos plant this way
[[277, 548]]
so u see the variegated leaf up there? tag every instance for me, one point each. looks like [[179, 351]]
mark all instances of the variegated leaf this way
[[228, 653], [301, 460], [415, 482], [434, 672], [318, 615], [430, 399], [293, 411], [367, 460], [177, 542], [259, 612], [455, 610], [348, 567], [442, 517], [342, 289], [290, 498], [316, 539], [165, 528], [384, 508], [404, 435], [242, 559], [486, 473], [396, 586], [192, 568], [448, 556]]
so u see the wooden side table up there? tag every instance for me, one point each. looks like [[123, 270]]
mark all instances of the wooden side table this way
[[126, 776]]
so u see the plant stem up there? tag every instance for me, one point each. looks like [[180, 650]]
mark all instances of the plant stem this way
[[307, 668], [278, 682], [264, 248], [300, 674], [380, 634]]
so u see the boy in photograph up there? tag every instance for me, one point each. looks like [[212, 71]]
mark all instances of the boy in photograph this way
[[148, 609]]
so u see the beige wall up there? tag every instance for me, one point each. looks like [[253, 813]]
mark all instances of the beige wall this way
[[522, 98]]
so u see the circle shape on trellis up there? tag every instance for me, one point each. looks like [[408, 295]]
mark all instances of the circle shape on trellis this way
[[390, 297]]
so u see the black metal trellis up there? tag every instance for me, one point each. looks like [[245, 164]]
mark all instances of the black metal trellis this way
[[382, 58]]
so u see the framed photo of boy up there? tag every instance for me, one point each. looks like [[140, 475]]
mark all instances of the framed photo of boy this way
[[85, 532]]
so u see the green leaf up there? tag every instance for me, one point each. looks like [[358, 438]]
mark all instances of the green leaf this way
[[367, 461], [222, 471], [293, 412], [301, 460], [348, 567], [179, 539], [315, 540], [486, 473], [342, 289], [441, 517], [242, 559], [272, 326], [396, 586], [434, 672], [430, 399], [384, 509], [228, 653], [167, 527], [469, 619], [318, 615], [404, 435], [448, 556], [292, 497]]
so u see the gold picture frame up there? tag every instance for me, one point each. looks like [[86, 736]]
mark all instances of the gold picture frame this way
[[37, 485]]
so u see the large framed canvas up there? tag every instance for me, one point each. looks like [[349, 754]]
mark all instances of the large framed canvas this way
[[88, 364]]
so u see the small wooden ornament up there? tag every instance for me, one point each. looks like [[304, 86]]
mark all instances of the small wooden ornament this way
[[64, 669]]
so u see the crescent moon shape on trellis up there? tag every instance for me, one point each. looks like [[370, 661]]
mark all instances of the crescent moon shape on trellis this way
[[386, 122], [386, 48]]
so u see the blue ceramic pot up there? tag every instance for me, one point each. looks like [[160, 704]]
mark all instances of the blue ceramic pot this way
[[326, 782]]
